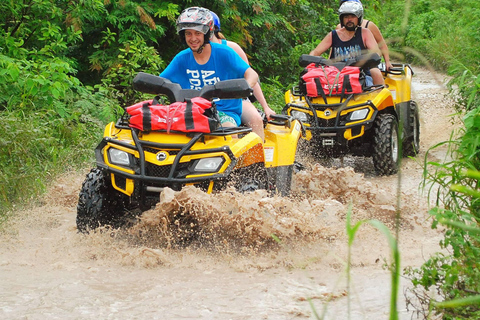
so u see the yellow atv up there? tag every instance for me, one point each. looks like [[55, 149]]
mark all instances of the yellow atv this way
[[377, 121], [134, 166]]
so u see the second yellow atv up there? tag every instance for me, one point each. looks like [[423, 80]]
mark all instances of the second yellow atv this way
[[376, 122]]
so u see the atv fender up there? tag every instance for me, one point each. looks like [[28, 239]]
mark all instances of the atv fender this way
[[383, 100], [248, 150], [281, 144]]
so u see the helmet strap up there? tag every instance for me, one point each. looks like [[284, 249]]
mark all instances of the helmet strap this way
[[200, 50], [206, 40]]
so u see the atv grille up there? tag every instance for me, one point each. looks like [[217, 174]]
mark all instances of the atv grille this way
[[330, 123], [157, 171], [326, 122], [153, 170]]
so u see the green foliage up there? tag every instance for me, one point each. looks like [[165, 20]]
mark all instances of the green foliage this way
[[34, 83], [131, 60], [443, 31], [287, 33], [467, 87], [456, 276], [274, 94], [36, 145], [114, 27], [50, 121]]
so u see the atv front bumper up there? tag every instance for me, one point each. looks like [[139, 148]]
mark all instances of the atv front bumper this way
[[334, 124], [143, 169]]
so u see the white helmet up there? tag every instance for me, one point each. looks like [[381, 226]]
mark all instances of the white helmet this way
[[351, 7]]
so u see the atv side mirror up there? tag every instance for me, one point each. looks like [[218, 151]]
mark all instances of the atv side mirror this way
[[227, 89]]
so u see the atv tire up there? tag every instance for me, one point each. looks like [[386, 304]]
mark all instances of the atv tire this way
[[99, 204], [411, 146], [283, 180], [386, 146], [251, 178]]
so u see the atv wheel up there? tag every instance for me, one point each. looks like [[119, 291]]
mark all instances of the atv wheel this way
[[251, 178], [385, 155], [99, 204], [411, 146], [283, 180]]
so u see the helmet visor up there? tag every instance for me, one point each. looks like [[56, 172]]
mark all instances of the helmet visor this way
[[194, 26]]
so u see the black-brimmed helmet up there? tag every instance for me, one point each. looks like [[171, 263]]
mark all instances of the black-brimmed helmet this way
[[196, 18]]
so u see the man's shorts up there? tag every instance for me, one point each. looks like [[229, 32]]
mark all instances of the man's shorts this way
[[226, 118], [368, 81]]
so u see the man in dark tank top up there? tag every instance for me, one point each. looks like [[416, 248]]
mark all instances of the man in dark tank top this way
[[377, 34], [343, 50], [351, 40]]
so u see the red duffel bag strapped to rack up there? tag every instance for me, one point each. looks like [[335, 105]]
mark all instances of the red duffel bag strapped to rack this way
[[194, 115], [328, 80]]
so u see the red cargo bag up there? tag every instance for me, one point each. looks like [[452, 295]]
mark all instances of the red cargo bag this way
[[194, 115], [328, 80]]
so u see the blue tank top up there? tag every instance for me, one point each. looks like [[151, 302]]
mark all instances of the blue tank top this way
[[344, 50]]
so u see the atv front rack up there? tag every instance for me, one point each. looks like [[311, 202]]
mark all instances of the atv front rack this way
[[151, 178], [123, 123]]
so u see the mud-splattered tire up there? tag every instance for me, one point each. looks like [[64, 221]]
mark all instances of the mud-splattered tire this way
[[411, 146], [283, 180], [99, 204], [251, 178], [386, 147]]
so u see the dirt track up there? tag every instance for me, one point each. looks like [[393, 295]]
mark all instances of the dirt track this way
[[48, 270]]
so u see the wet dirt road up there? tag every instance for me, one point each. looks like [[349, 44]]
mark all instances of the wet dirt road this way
[[236, 270]]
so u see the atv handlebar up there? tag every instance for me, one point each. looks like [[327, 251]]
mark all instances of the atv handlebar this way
[[365, 61], [306, 59], [226, 89], [398, 69]]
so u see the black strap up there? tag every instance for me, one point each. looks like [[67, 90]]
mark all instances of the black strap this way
[[347, 85], [189, 125], [320, 91], [147, 117]]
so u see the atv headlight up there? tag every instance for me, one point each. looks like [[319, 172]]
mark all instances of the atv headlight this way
[[302, 116], [359, 114], [119, 157], [208, 164]]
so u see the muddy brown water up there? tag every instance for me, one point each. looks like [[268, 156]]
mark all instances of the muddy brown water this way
[[235, 269]]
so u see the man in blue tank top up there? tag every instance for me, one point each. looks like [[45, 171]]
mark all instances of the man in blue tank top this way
[[205, 63], [351, 40]]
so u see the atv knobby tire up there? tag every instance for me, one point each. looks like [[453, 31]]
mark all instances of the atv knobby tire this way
[[411, 146], [99, 204], [386, 146], [283, 180], [251, 178]]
